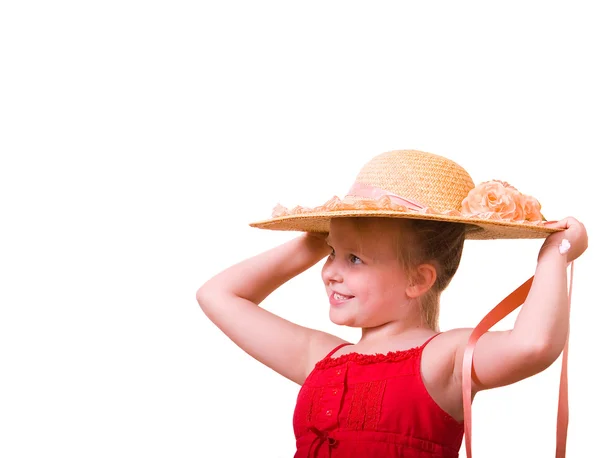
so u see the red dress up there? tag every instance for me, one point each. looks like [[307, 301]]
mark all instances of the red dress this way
[[359, 405]]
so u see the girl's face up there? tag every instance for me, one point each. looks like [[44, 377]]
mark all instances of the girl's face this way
[[363, 278]]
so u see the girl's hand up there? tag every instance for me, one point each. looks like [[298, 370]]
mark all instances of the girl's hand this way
[[573, 231], [318, 241], [318, 235]]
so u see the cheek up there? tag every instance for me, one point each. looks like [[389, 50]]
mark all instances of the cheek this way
[[389, 288]]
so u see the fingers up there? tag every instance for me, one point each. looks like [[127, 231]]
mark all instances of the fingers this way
[[572, 237], [319, 235], [556, 224], [564, 223]]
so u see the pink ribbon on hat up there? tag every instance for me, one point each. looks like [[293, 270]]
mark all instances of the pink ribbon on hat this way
[[371, 192]]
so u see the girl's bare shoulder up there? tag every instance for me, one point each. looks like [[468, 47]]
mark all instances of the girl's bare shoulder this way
[[451, 339]]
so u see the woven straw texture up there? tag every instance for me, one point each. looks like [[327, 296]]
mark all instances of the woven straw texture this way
[[431, 180]]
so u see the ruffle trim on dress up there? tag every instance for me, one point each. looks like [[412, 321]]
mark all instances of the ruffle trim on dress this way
[[359, 358]]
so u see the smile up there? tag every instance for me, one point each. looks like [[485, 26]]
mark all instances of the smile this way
[[338, 299]]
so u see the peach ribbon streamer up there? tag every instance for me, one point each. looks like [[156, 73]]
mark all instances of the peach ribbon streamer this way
[[506, 306]]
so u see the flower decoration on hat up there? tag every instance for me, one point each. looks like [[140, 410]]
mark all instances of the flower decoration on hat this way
[[499, 200]]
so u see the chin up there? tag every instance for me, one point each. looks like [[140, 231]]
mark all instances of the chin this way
[[342, 319]]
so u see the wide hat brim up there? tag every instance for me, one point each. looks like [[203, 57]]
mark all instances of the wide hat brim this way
[[477, 228]]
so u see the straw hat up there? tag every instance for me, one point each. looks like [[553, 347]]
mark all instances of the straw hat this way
[[419, 185]]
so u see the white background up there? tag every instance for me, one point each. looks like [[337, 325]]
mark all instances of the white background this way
[[139, 139]]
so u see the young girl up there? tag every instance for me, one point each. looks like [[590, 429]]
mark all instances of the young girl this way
[[393, 245]]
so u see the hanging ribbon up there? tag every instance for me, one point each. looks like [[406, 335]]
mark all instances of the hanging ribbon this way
[[510, 303]]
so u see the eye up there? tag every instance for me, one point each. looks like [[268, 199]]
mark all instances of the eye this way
[[355, 259], [332, 254]]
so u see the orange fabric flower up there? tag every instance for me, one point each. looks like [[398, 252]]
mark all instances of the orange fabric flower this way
[[532, 209], [499, 200]]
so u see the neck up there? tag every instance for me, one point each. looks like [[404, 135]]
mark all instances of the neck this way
[[398, 328]]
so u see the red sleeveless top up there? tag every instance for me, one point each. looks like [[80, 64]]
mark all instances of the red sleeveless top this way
[[359, 405]]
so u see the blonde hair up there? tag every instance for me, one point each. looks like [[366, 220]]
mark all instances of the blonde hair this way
[[438, 243]]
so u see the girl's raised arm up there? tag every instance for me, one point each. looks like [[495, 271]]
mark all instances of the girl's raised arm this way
[[231, 298], [540, 331]]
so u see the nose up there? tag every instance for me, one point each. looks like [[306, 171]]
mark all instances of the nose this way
[[331, 272]]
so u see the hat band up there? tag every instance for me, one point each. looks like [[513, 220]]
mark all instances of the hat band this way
[[371, 192]]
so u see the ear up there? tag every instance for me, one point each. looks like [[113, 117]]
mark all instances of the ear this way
[[421, 281]]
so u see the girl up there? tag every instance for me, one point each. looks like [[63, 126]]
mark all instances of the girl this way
[[393, 245]]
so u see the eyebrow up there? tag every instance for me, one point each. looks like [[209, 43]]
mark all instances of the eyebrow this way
[[351, 248]]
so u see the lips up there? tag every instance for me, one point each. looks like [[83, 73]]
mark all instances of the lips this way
[[336, 298]]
